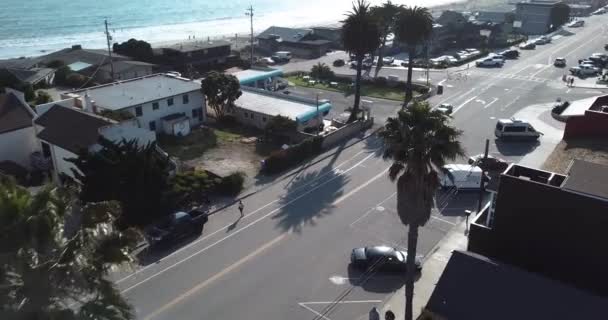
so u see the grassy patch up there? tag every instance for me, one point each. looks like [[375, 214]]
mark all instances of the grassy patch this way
[[368, 90], [224, 136], [190, 146]]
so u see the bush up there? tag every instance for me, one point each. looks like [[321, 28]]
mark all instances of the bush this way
[[339, 63], [231, 185], [283, 159], [75, 80], [382, 81], [559, 108]]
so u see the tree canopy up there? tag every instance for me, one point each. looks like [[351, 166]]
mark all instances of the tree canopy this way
[[221, 90], [385, 17], [55, 255], [321, 71], [137, 49], [135, 176]]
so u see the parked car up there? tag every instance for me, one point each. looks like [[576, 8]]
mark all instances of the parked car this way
[[339, 63], [559, 62], [267, 60], [542, 40], [489, 62], [576, 24], [491, 163], [461, 176], [584, 70], [381, 258], [510, 54], [177, 226], [515, 129], [527, 45], [497, 57], [599, 11], [388, 60], [283, 56], [445, 108]]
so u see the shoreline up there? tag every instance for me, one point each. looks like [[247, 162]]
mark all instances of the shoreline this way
[[239, 40]]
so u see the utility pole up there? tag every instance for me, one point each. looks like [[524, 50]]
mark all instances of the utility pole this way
[[250, 14], [108, 38], [481, 186]]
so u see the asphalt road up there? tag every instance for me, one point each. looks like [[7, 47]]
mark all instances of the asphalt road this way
[[288, 257]]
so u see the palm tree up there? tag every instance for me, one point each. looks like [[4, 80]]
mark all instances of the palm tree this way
[[360, 36], [385, 16], [418, 141], [414, 26]]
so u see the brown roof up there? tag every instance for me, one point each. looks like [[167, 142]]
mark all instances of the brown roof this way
[[69, 128], [587, 178], [14, 115]]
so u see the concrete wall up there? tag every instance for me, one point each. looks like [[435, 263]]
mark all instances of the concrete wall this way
[[195, 101], [535, 18], [18, 145], [593, 124], [131, 73], [128, 130], [346, 132]]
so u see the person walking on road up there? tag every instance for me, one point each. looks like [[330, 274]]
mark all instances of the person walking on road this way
[[241, 207], [571, 82], [374, 314]]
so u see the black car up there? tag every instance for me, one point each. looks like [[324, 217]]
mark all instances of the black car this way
[[381, 258], [510, 54], [177, 226]]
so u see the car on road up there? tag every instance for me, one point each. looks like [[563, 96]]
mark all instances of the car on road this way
[[515, 129], [445, 108], [510, 53], [381, 258], [576, 24], [388, 60], [599, 11], [491, 163], [268, 60], [497, 57], [559, 62], [489, 62], [177, 226], [461, 176], [367, 64], [527, 45], [584, 70]]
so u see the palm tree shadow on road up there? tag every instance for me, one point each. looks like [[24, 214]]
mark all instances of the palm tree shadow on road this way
[[309, 198]]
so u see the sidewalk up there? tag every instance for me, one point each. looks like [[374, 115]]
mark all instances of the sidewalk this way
[[431, 271]]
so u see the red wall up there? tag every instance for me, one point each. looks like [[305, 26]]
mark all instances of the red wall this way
[[593, 124]]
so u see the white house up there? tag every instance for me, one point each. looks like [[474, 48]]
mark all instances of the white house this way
[[17, 136], [255, 107], [149, 99], [64, 130]]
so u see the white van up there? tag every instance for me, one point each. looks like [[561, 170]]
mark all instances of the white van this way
[[464, 176], [283, 55], [516, 130]]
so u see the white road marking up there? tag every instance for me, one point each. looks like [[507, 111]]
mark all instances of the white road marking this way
[[242, 229], [357, 189], [247, 215], [463, 104], [489, 104], [305, 305], [480, 101], [371, 210], [510, 104]]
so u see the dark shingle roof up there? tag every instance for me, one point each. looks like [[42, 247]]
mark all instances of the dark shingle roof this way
[[285, 34], [198, 45], [32, 75], [90, 56], [69, 128], [14, 115], [587, 178], [120, 66], [474, 287], [491, 16]]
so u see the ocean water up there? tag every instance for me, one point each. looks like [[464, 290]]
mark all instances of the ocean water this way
[[33, 27]]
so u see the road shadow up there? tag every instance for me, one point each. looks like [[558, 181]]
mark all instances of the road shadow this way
[[453, 203], [516, 148], [303, 203], [149, 255], [377, 282], [374, 144]]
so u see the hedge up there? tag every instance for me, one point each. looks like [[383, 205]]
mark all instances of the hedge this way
[[283, 159]]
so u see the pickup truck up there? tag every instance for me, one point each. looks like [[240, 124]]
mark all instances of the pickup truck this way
[[177, 226], [584, 70]]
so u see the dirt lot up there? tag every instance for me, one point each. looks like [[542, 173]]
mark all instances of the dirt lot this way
[[222, 150], [592, 150]]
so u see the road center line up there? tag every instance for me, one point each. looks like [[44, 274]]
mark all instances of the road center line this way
[[489, 104], [218, 275], [463, 104], [241, 229]]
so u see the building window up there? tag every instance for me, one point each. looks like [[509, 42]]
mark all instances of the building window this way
[[194, 113], [245, 114], [185, 99], [152, 125], [138, 111], [154, 105], [263, 119], [170, 101], [252, 114]]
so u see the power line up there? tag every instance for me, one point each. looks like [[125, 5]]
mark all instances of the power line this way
[[108, 39]]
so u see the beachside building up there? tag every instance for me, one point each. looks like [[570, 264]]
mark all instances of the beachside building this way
[[125, 70], [152, 100], [195, 53], [256, 107], [68, 127], [17, 136], [302, 43], [262, 78], [533, 17]]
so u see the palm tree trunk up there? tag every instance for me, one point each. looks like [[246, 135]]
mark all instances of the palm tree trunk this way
[[355, 111], [412, 242], [380, 56], [410, 68]]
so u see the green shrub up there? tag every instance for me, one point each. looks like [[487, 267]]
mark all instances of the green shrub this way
[[339, 63], [283, 159], [75, 80], [231, 185]]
